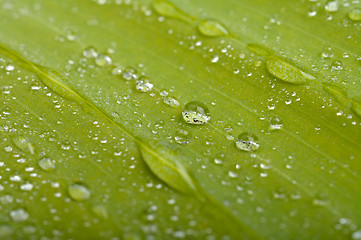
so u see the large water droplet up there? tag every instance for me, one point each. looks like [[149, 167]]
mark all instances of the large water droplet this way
[[332, 6], [286, 71], [247, 142], [19, 215], [182, 136], [103, 60], [143, 85], [130, 73], [24, 144], [327, 52], [196, 113], [47, 164], [212, 28], [171, 101], [355, 14], [79, 192], [275, 124], [90, 52]]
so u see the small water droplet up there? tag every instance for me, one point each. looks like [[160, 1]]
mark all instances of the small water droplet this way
[[327, 52], [103, 60], [130, 73], [5, 231], [100, 211], [143, 84], [71, 35], [90, 52], [19, 215], [117, 71], [215, 59], [27, 187], [47, 164], [247, 142], [356, 235], [182, 136], [232, 174], [171, 101], [355, 14], [9, 68], [196, 113], [24, 144], [79, 192], [336, 65], [275, 124], [212, 28]]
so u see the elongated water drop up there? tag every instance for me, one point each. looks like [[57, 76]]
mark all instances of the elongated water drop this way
[[90, 52], [100, 211], [212, 28], [355, 14], [24, 144], [285, 71], [79, 192], [143, 85], [332, 6], [259, 49], [247, 142], [168, 9], [196, 113]]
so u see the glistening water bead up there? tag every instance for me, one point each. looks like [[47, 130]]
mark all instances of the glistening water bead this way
[[79, 192], [196, 113], [247, 142]]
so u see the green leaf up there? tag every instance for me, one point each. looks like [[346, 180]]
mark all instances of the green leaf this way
[[180, 119]]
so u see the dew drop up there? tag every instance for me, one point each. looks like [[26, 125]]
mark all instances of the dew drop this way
[[19, 215], [247, 142], [196, 113], [182, 136], [47, 164], [171, 101], [71, 35], [331, 6], [212, 28], [100, 211], [9, 68], [79, 192], [336, 65], [356, 235], [90, 52], [275, 124], [27, 187], [286, 71], [24, 144], [327, 52], [143, 85], [6, 231], [355, 15], [117, 71], [130, 73], [103, 60], [215, 59]]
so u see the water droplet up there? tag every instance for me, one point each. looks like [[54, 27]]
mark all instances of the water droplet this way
[[331, 6], [168, 9], [79, 192], [212, 28], [24, 144], [47, 164], [100, 211], [171, 101], [19, 215], [355, 14], [196, 113], [327, 52], [232, 174], [336, 65], [117, 71], [182, 136], [103, 60], [9, 68], [275, 124], [286, 71], [215, 59], [247, 142], [71, 35], [356, 235], [27, 187], [259, 49], [143, 84], [90, 52], [130, 73]]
